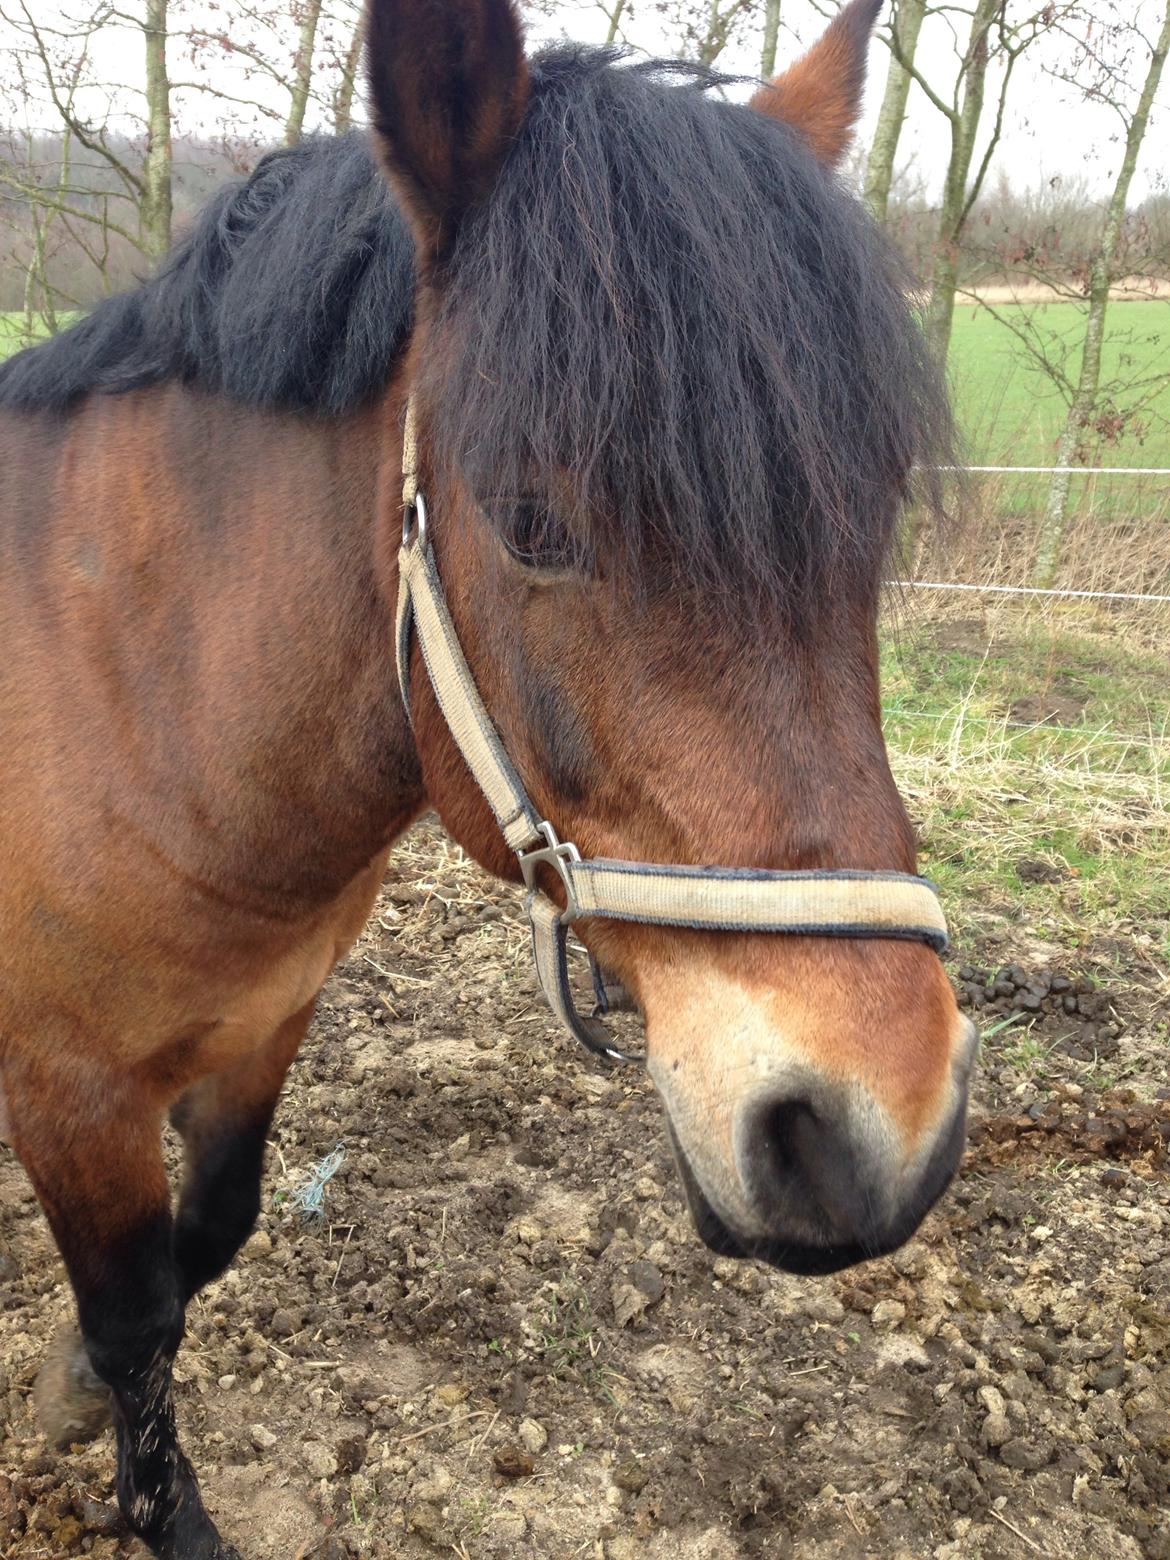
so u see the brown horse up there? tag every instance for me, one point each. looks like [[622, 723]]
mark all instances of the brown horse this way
[[668, 399]]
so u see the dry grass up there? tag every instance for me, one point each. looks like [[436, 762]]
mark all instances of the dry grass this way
[[1127, 289], [1029, 746], [1099, 820], [1104, 550]]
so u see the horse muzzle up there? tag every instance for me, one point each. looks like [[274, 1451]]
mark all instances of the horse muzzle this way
[[818, 1178]]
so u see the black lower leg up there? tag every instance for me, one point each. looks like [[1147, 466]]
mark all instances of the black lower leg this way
[[132, 1324], [219, 1203], [94, 1155]]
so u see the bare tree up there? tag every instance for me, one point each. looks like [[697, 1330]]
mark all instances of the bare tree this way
[[771, 37], [959, 190], [721, 20], [1085, 400], [93, 185], [995, 28], [290, 65], [879, 168], [51, 50], [302, 71], [698, 30], [156, 207], [87, 163], [347, 59]]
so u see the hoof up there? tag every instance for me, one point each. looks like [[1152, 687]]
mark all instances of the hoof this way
[[72, 1402], [218, 1551], [190, 1534]]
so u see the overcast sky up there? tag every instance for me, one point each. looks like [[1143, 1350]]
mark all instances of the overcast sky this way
[[1051, 130]]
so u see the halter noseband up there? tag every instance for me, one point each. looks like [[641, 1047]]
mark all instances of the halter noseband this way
[[722, 899]]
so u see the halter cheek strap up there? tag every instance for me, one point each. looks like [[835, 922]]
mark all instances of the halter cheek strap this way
[[721, 899]]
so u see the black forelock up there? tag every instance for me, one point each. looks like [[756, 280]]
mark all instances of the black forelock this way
[[667, 312], [673, 317], [293, 291]]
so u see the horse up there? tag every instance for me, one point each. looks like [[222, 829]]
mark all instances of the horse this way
[[668, 402]]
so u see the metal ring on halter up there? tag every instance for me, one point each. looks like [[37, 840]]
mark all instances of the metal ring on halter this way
[[554, 854], [414, 522]]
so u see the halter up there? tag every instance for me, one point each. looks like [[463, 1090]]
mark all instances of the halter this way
[[718, 899]]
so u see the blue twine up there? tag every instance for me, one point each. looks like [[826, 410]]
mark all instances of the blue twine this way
[[309, 1197]]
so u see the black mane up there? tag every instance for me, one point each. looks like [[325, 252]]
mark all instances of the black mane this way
[[293, 291], [668, 313]]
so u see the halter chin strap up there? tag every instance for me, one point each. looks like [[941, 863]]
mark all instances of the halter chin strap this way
[[722, 899]]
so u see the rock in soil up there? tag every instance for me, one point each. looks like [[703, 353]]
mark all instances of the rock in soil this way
[[72, 1402]]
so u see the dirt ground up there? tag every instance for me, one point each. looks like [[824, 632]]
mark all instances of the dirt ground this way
[[503, 1337]]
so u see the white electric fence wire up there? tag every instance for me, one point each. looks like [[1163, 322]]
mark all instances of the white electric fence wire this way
[[1071, 471], [1028, 590], [1036, 590], [1101, 736]]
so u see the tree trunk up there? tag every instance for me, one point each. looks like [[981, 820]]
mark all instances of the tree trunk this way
[[711, 45], [771, 37], [155, 207], [34, 281], [1070, 446], [347, 86], [956, 196], [36, 277], [944, 282], [879, 168], [294, 125]]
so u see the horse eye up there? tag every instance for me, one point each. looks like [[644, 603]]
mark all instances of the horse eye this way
[[535, 537]]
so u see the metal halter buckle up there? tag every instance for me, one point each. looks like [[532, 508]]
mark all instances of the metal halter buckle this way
[[414, 522], [555, 854]]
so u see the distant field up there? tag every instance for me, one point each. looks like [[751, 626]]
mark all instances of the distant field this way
[[12, 333], [10, 329], [1011, 413]]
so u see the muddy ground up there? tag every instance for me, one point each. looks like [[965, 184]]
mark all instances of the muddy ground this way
[[503, 1338]]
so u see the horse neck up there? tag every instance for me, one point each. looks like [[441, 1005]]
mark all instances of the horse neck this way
[[222, 562]]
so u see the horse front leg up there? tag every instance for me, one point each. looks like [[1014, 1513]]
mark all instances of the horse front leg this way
[[92, 1150], [224, 1121]]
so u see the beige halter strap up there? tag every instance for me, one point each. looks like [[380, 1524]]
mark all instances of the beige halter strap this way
[[721, 899]]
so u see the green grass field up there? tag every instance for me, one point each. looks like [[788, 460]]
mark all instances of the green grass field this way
[[10, 331], [1010, 412], [1019, 742]]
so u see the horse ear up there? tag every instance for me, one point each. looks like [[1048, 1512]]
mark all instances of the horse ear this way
[[448, 85], [821, 94]]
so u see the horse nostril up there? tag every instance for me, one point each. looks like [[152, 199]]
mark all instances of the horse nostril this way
[[782, 1128], [795, 1160]]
